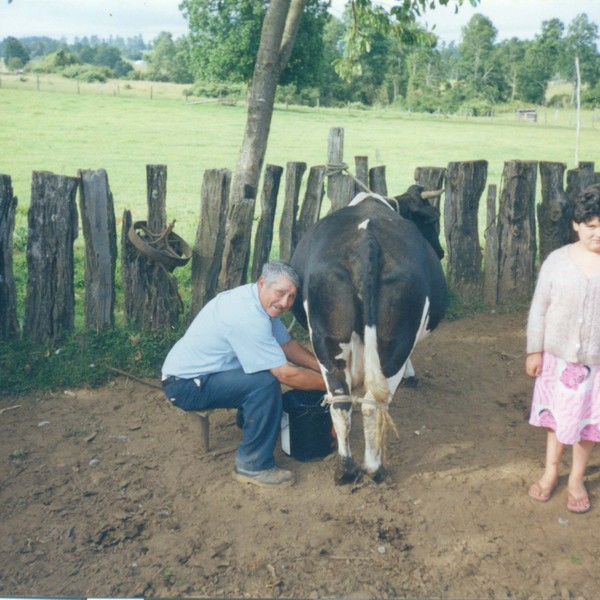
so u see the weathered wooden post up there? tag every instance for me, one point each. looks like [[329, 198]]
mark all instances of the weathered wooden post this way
[[377, 182], [288, 236], [313, 198], [431, 178], [210, 237], [263, 239], [52, 221], [516, 233], [151, 296], [490, 269], [361, 173], [340, 187], [9, 323], [99, 231], [577, 180], [465, 182], [554, 223]]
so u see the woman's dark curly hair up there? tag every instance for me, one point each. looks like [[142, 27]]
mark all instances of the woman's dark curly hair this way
[[587, 204]]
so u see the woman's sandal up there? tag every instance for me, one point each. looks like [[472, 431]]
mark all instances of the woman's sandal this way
[[540, 493], [578, 505]]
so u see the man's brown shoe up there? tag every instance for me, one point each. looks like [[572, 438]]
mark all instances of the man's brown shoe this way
[[274, 477]]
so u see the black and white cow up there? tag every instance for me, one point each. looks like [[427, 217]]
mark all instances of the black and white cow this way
[[372, 286]]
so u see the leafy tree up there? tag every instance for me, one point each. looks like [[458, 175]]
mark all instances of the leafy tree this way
[[14, 53], [510, 55], [541, 61], [580, 42], [225, 35], [169, 60], [478, 64]]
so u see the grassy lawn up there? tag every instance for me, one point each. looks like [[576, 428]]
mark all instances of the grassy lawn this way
[[55, 124]]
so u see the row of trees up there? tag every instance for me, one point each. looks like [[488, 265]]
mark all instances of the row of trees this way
[[416, 69]]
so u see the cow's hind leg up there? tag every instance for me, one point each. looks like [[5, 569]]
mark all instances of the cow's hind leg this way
[[373, 446], [341, 415]]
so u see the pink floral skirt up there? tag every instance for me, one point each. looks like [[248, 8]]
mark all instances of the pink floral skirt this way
[[566, 399]]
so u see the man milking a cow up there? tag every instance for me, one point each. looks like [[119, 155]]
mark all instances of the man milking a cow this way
[[237, 353]]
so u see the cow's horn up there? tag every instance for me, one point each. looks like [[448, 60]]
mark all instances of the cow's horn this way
[[431, 195]]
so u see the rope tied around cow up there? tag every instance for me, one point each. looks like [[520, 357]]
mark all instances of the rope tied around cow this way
[[165, 247], [384, 421]]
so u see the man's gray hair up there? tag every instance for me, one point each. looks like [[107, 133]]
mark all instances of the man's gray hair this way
[[275, 269]]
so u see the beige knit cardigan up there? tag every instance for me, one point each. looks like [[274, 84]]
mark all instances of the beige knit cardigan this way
[[564, 317]]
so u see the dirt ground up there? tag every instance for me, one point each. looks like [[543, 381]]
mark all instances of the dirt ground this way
[[107, 493]]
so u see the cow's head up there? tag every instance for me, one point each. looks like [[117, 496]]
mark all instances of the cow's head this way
[[414, 205]]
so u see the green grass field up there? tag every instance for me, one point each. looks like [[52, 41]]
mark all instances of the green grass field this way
[[50, 123], [54, 124]]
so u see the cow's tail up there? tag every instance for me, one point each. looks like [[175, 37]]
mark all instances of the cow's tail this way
[[371, 265]]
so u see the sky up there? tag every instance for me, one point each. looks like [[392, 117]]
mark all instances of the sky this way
[[128, 18]]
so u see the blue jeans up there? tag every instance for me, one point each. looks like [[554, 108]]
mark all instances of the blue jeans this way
[[257, 394]]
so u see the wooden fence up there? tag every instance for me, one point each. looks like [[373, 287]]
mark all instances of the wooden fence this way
[[500, 274]]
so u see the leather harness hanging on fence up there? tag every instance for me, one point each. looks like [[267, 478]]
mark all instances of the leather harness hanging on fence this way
[[165, 248]]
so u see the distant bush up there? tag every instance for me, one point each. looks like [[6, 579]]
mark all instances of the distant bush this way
[[210, 89], [87, 73], [559, 101]]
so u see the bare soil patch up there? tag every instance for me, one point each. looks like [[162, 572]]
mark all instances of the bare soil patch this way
[[107, 493]]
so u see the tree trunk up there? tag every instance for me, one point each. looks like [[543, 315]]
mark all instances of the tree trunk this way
[[99, 231], [9, 324], [277, 38], [264, 232], [554, 223], [50, 295], [516, 234], [465, 182], [288, 235], [210, 236]]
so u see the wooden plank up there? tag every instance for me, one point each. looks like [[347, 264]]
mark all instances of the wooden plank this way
[[210, 237], [9, 324], [263, 240], [99, 231]]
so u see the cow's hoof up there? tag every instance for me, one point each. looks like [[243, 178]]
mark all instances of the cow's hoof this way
[[410, 382], [345, 472], [378, 476]]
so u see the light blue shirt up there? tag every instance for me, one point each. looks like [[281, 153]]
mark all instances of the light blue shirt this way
[[232, 331]]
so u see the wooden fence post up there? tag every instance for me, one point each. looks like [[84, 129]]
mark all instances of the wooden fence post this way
[[53, 228], [554, 223], [490, 271], [465, 182], [99, 231], [340, 187], [9, 324], [210, 237], [516, 233], [430, 178], [377, 182], [361, 172], [288, 235], [263, 240], [577, 180], [152, 297], [313, 198]]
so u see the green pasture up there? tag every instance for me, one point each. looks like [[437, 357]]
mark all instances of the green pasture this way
[[50, 123], [53, 124]]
